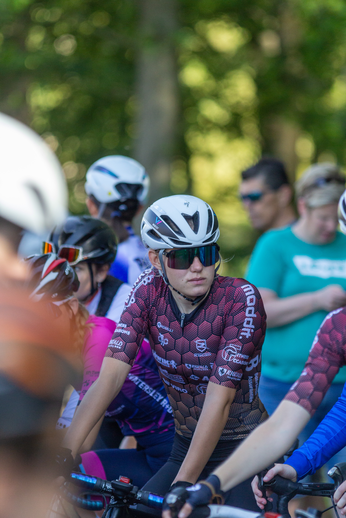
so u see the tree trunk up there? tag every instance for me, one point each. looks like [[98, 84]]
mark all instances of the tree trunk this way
[[157, 92]]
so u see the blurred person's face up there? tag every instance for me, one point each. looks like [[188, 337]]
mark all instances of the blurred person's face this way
[[262, 204], [320, 223], [84, 277]]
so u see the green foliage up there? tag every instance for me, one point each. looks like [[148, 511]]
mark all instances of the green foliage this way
[[246, 69]]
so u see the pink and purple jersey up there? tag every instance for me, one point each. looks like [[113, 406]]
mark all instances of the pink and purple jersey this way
[[141, 407], [327, 355], [220, 342]]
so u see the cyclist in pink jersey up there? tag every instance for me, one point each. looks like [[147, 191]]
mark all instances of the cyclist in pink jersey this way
[[141, 408], [206, 332]]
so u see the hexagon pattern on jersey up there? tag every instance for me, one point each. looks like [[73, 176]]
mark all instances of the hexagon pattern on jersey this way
[[327, 355], [222, 344]]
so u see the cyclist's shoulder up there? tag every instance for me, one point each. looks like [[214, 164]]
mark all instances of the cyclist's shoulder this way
[[237, 285]]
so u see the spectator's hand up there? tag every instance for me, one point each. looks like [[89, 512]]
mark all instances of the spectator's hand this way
[[330, 298], [340, 498], [284, 470]]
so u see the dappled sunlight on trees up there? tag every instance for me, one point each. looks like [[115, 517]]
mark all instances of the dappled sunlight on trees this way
[[197, 95]]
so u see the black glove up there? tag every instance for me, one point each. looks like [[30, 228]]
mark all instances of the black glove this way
[[201, 494], [176, 497], [64, 462]]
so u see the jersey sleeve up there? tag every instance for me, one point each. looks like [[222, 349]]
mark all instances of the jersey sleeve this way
[[239, 353], [266, 267], [328, 438], [326, 357], [133, 324], [94, 351]]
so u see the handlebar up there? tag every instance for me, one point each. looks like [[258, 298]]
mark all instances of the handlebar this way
[[126, 492]]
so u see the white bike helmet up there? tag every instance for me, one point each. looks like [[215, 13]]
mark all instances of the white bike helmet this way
[[342, 213], [117, 178], [179, 221], [33, 193]]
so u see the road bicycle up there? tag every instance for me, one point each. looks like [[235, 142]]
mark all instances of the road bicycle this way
[[119, 497]]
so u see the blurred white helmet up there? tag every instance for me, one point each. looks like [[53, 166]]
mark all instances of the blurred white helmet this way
[[116, 177], [33, 192], [179, 221], [342, 213]]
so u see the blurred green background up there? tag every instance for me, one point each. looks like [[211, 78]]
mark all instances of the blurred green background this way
[[196, 91]]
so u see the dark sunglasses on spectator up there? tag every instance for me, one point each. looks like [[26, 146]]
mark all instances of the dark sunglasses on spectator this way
[[72, 254], [182, 258], [253, 196]]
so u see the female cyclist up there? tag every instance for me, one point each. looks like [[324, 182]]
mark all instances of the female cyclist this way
[[117, 187], [206, 333], [141, 407], [274, 437]]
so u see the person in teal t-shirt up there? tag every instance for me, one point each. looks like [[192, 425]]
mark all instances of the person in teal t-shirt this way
[[301, 274]]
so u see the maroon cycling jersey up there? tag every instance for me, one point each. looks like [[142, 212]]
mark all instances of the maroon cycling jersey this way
[[327, 355], [220, 341]]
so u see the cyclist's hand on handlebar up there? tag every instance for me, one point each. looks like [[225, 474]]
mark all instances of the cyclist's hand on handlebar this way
[[284, 470], [340, 498], [180, 502]]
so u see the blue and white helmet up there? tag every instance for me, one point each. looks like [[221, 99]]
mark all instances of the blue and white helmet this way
[[179, 221], [342, 213], [117, 178]]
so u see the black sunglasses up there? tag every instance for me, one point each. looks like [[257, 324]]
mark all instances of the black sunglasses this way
[[253, 196], [182, 258]]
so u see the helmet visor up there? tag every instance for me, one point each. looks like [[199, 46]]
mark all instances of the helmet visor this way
[[48, 247], [182, 258], [72, 254]]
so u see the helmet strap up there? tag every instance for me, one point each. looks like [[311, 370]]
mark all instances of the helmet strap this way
[[165, 278]]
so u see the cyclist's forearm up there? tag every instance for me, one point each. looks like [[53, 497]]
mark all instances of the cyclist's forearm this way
[[282, 311], [95, 403], [265, 445]]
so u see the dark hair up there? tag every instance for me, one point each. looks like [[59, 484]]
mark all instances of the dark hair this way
[[123, 210], [272, 170]]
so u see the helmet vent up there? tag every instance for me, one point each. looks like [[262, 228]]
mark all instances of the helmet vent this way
[[193, 221], [154, 235], [129, 191], [170, 223], [178, 242], [210, 221]]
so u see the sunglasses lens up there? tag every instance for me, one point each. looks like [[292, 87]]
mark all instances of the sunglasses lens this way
[[71, 254], [252, 196], [183, 258], [47, 248]]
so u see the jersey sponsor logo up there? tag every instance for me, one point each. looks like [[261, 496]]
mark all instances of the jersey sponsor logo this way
[[205, 378], [222, 371], [172, 377], [200, 355], [161, 326], [116, 411], [123, 331], [194, 377], [253, 363], [322, 268], [162, 340], [201, 345], [116, 343], [151, 392], [197, 367], [178, 389], [163, 361], [202, 389], [230, 351], [121, 325], [250, 313]]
